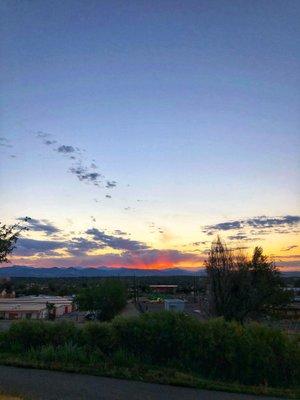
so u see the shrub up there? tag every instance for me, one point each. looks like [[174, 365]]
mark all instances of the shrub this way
[[100, 335], [249, 354], [23, 335]]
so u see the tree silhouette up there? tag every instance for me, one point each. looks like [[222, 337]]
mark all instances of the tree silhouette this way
[[239, 288], [9, 235]]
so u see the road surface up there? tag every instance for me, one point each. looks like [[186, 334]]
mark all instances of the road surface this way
[[37, 384]]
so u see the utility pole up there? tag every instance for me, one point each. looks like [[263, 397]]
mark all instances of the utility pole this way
[[134, 289]]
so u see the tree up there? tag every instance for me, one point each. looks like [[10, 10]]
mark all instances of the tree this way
[[9, 234], [106, 299], [51, 311], [239, 288]]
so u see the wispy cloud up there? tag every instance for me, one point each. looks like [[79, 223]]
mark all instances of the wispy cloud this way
[[4, 142], [288, 248], [84, 170], [84, 175], [116, 242], [65, 149], [42, 225], [258, 225]]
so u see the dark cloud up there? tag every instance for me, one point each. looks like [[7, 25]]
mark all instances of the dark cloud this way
[[4, 142], [257, 224], [110, 184], [85, 171], [65, 149], [80, 246], [116, 242], [266, 222], [84, 175], [238, 236], [30, 247], [294, 246], [49, 142], [42, 225], [118, 232]]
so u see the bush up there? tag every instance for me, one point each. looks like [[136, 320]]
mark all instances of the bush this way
[[100, 335], [216, 349], [106, 299], [23, 335], [249, 354]]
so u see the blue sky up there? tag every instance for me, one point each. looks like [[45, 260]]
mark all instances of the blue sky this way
[[191, 107]]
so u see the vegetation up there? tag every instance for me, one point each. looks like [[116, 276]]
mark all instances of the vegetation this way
[[106, 300], [240, 288], [9, 235], [214, 350]]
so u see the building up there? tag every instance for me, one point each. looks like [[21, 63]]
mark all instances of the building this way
[[22, 311], [34, 307], [163, 288], [6, 294], [174, 305]]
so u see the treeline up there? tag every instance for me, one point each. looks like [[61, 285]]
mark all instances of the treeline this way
[[71, 286], [251, 354]]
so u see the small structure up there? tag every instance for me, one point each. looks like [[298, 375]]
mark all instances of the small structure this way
[[163, 288], [174, 305]]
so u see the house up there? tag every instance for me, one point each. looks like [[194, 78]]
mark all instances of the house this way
[[34, 307], [15, 310]]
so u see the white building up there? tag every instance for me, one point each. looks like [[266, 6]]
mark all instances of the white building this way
[[174, 305], [34, 307]]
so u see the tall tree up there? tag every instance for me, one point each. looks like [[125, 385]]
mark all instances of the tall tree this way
[[106, 300], [239, 288]]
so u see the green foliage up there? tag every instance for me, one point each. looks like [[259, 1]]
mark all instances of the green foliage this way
[[216, 349], [99, 335], [107, 299], [240, 288], [23, 335]]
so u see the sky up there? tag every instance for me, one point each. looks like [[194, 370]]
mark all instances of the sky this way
[[132, 133]]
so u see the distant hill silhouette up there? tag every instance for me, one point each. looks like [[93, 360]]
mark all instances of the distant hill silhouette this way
[[63, 272]]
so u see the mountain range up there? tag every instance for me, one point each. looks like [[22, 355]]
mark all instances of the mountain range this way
[[76, 272]]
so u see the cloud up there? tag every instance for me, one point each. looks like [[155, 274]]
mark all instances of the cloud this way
[[120, 233], [85, 171], [65, 149], [289, 247], [80, 246], [258, 225], [4, 142], [42, 225], [148, 258], [110, 184], [30, 247], [84, 175], [116, 242]]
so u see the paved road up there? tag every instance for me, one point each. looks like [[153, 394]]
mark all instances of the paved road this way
[[52, 385]]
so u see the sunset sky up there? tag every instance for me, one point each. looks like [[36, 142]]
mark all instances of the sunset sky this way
[[133, 132]]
